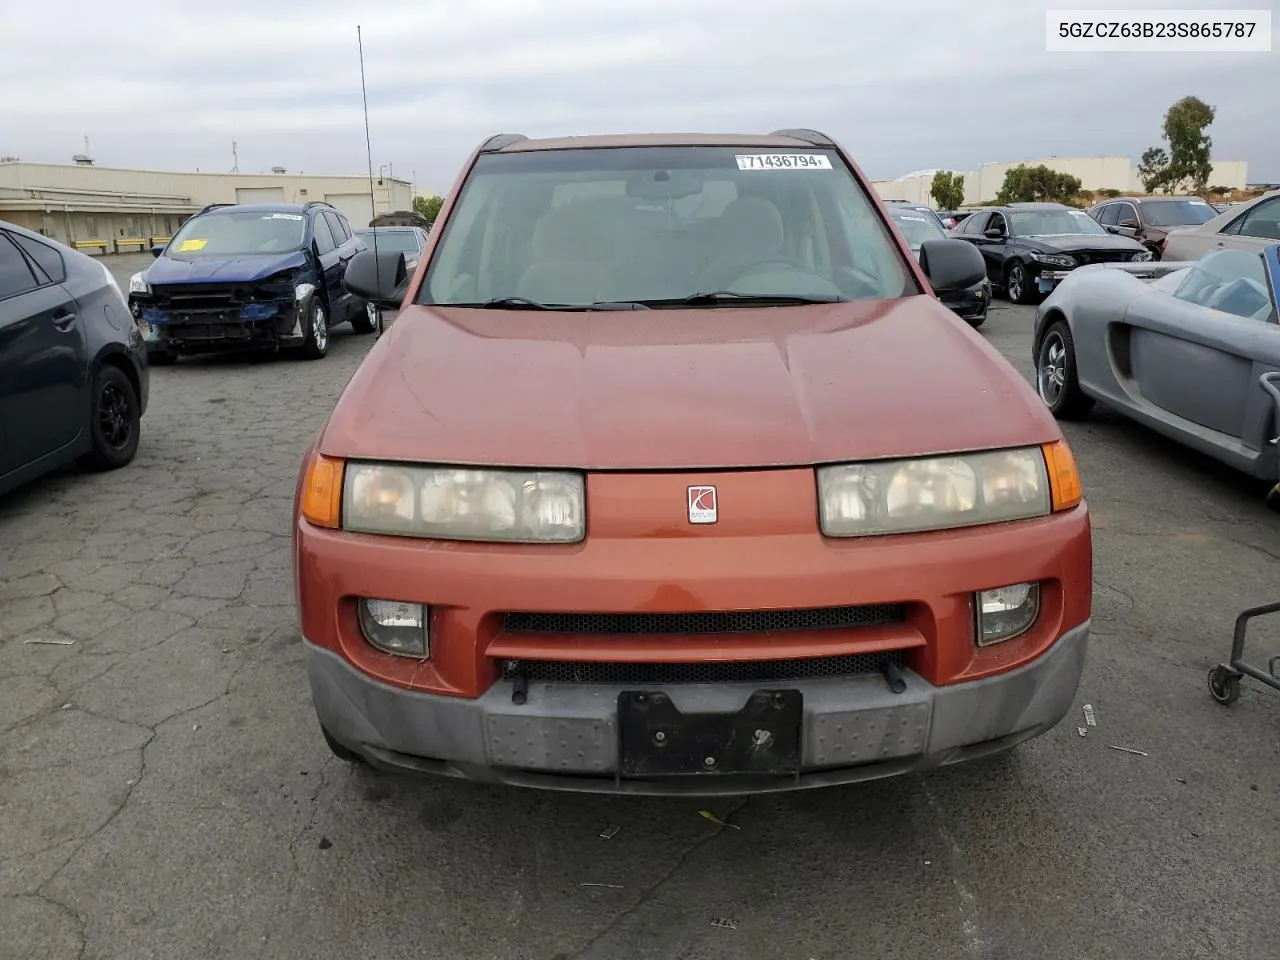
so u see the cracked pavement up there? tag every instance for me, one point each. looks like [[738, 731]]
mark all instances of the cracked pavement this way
[[165, 792]]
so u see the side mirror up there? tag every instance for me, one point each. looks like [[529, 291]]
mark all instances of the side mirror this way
[[993, 233], [378, 277], [952, 265], [1129, 222], [157, 249], [1111, 228]]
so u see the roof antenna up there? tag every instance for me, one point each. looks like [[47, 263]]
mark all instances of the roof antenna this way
[[368, 146]]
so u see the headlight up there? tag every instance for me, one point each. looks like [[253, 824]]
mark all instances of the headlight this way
[[302, 291], [1006, 612], [932, 493], [399, 628], [450, 503], [1054, 259], [138, 284], [1141, 256]]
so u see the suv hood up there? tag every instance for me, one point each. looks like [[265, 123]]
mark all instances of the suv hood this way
[[240, 269], [673, 389], [1072, 242]]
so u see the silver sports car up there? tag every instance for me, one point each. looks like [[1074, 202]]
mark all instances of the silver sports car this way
[[1179, 347]]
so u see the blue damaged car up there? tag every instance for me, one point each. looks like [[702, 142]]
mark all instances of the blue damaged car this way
[[239, 276]]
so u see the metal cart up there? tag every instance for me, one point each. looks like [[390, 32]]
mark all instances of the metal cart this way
[[1224, 679]]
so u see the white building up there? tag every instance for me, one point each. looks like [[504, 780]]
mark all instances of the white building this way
[[1095, 173], [111, 209]]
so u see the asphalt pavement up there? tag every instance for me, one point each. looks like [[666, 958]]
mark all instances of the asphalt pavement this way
[[165, 792]]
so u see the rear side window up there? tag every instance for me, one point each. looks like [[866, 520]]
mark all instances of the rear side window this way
[[15, 275], [46, 257], [324, 236], [337, 227], [1110, 215]]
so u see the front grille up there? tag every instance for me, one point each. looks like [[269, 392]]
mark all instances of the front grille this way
[[744, 671], [207, 301], [704, 622], [1103, 256]]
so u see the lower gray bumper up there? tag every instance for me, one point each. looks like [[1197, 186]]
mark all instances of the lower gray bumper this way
[[565, 736]]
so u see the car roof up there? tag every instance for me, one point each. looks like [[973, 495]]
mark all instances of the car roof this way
[[1034, 206], [264, 207], [526, 145], [1147, 199]]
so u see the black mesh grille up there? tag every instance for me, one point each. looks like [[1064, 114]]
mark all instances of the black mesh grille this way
[[702, 622], [1103, 256], [746, 671]]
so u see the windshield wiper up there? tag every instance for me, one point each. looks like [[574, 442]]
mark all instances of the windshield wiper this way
[[513, 303], [729, 296], [524, 303]]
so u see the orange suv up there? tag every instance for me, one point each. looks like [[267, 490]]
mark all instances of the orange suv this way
[[674, 476]]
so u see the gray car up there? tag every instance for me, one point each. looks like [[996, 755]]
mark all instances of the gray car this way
[[1252, 226], [410, 241], [1182, 353]]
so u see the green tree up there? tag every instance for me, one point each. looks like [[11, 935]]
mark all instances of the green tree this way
[[1023, 184], [428, 207], [1190, 148], [1153, 169], [947, 189]]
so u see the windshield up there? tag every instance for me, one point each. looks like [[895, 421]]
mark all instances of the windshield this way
[[239, 232], [1230, 281], [1178, 213], [402, 241], [916, 226], [1053, 223], [654, 224]]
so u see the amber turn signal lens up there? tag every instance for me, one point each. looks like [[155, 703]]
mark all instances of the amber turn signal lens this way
[[1064, 479], [322, 492]]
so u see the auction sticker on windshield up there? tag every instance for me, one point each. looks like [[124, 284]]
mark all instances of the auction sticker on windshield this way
[[188, 246], [783, 161]]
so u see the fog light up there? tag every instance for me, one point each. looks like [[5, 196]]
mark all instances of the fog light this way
[[1005, 612], [395, 627]]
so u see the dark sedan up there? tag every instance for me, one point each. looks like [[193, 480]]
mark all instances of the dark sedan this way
[[73, 368], [1030, 247], [917, 227]]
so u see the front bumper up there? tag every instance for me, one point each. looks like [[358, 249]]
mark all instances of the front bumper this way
[[970, 304], [566, 736]]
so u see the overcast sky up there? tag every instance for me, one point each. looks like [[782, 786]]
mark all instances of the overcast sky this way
[[903, 84]]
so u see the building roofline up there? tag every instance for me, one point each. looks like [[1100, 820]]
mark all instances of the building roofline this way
[[197, 173]]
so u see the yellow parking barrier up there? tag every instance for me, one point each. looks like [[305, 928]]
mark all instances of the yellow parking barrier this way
[[139, 242], [103, 245]]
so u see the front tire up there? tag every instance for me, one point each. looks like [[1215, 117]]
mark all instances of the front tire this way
[[316, 344], [365, 321], [1020, 284], [1056, 380], [115, 420]]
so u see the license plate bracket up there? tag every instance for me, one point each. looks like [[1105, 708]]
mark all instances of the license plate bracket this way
[[657, 740]]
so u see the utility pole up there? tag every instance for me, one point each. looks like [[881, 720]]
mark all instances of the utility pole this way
[[235, 158]]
